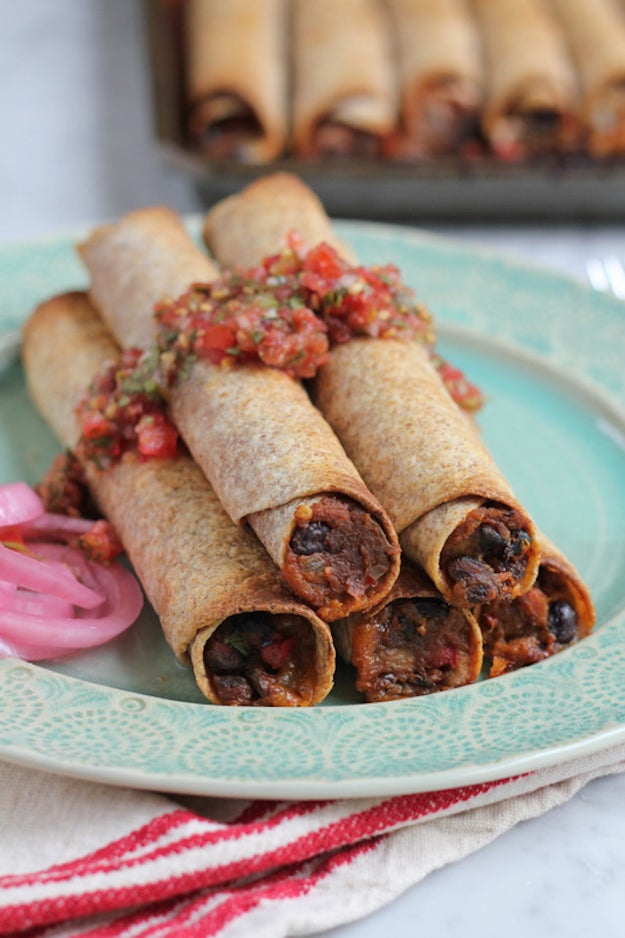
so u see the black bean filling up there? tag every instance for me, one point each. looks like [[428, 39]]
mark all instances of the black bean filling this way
[[485, 560], [253, 659]]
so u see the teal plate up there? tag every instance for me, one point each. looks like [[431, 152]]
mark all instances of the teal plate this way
[[549, 355]]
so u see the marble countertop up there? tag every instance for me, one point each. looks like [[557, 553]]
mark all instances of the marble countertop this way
[[77, 148]]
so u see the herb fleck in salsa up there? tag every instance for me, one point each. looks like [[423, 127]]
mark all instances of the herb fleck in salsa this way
[[125, 410]]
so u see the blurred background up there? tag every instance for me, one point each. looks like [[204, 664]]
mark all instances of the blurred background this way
[[88, 96]]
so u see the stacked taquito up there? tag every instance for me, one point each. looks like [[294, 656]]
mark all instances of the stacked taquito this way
[[343, 100], [531, 105], [595, 32], [221, 603], [237, 78], [456, 515], [440, 75], [455, 512], [270, 456]]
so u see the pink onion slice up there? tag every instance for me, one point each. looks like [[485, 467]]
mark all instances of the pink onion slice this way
[[35, 574], [53, 599], [50, 526], [121, 607], [37, 604], [18, 504]]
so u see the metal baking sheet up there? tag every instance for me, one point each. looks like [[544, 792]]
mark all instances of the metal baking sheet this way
[[578, 189]]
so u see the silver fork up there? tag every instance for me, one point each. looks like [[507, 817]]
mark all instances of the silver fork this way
[[607, 275]]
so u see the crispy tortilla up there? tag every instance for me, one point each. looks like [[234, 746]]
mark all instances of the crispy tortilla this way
[[437, 648], [414, 448], [344, 98], [237, 78], [532, 102], [252, 429], [595, 32], [441, 77], [198, 569]]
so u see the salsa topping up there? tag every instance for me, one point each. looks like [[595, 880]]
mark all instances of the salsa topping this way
[[285, 313], [289, 309], [125, 409]]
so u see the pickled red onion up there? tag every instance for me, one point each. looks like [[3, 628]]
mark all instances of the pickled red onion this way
[[18, 504], [33, 573], [51, 526], [53, 599]]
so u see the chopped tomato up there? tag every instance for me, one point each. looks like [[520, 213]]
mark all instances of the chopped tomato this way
[[157, 436], [276, 654], [101, 542], [214, 342], [95, 425]]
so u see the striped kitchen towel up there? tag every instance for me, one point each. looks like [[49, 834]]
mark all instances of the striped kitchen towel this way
[[80, 859]]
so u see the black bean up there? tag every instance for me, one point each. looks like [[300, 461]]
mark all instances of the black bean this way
[[479, 582], [520, 543], [562, 621], [221, 657], [433, 609], [258, 633], [491, 540], [233, 689], [310, 539]]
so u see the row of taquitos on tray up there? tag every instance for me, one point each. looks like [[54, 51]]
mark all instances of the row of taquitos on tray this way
[[404, 79], [269, 528]]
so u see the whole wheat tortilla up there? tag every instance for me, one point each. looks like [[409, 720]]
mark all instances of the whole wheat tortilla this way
[[412, 445], [342, 73], [529, 73], [236, 66], [282, 204], [197, 568], [441, 76], [252, 429], [595, 32]]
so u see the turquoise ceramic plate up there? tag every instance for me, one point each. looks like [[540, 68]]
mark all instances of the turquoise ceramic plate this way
[[549, 354]]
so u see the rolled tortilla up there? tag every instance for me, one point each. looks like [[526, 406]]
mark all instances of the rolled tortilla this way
[[455, 512], [271, 458], [531, 106], [210, 582], [236, 76], [441, 77], [554, 614], [344, 97], [413, 643], [596, 36]]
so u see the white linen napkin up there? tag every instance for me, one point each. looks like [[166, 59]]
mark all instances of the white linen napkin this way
[[81, 859]]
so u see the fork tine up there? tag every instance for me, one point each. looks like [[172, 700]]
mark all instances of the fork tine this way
[[615, 275]]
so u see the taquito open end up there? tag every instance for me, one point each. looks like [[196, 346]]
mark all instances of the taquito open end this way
[[553, 615], [411, 644]]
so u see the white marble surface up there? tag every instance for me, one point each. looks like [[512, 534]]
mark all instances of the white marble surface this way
[[76, 147]]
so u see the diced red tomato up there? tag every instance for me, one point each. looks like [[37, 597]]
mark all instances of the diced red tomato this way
[[157, 436], [101, 542], [214, 342], [277, 653], [95, 425]]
